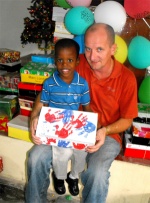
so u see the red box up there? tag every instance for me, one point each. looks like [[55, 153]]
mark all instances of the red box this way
[[28, 89], [136, 150], [26, 105]]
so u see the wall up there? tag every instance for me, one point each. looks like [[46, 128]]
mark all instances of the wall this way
[[12, 14]]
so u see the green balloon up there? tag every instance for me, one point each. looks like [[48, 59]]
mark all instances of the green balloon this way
[[63, 4], [144, 91]]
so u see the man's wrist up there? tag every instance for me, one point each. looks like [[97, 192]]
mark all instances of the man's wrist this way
[[107, 131]]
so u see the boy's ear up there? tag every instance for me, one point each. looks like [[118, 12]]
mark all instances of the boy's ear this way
[[78, 61]]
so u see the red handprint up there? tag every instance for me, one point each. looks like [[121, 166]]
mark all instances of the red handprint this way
[[80, 121], [64, 132], [49, 140], [79, 146], [53, 117]]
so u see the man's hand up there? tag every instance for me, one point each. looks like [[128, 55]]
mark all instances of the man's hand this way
[[33, 126], [100, 139]]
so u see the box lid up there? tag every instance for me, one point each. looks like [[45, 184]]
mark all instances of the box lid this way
[[20, 121]]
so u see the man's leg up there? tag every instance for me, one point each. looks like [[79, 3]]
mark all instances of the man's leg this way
[[38, 171], [96, 178]]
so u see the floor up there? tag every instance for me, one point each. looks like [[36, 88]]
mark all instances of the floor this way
[[9, 194]]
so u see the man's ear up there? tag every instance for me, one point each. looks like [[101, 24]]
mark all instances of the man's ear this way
[[114, 49]]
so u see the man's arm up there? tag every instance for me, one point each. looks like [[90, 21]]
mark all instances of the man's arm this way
[[34, 120], [117, 127]]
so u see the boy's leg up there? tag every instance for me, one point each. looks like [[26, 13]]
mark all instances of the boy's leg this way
[[38, 169]]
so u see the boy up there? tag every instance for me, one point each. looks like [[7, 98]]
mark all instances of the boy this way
[[67, 90]]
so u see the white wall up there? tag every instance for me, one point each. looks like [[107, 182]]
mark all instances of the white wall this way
[[12, 14]]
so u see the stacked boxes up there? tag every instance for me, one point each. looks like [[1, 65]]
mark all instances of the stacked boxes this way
[[48, 59]]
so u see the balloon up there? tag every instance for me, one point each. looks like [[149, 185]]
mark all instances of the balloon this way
[[63, 4], [78, 19], [121, 52], [144, 91], [139, 52], [80, 40], [75, 3], [111, 13], [137, 8]]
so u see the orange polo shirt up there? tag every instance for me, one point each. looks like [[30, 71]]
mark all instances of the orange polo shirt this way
[[114, 97]]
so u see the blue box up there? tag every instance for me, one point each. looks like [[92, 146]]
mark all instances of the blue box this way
[[48, 59]]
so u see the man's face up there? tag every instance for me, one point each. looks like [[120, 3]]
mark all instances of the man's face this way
[[98, 50]]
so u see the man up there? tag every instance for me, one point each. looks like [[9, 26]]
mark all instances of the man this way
[[113, 92]]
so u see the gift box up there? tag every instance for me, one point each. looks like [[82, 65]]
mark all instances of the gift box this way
[[18, 128], [26, 105], [9, 81], [9, 56], [60, 27], [29, 89], [135, 150], [36, 72], [67, 128], [9, 104], [3, 122], [48, 59], [141, 124], [59, 14]]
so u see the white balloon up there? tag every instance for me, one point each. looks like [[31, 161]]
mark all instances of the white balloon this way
[[111, 13]]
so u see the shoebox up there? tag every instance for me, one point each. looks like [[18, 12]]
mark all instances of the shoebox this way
[[67, 128], [26, 105], [137, 150], [34, 72], [59, 14], [18, 128], [9, 81], [9, 104], [141, 124], [3, 121], [48, 59], [9, 56], [29, 89]]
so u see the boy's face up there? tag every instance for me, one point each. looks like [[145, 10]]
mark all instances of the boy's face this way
[[66, 60]]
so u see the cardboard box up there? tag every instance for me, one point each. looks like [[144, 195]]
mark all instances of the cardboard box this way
[[9, 56], [135, 150], [18, 128], [26, 105], [141, 124], [67, 128], [59, 14], [36, 72], [48, 59], [60, 27], [9, 104], [29, 89]]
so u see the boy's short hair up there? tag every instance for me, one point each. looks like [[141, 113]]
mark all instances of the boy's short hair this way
[[66, 43]]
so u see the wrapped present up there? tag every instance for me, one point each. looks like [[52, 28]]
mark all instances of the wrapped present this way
[[9, 104], [18, 128], [34, 72], [141, 124], [67, 128], [9, 56], [43, 59], [9, 80], [3, 121]]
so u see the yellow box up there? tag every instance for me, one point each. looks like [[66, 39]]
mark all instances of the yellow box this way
[[38, 79], [18, 128]]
